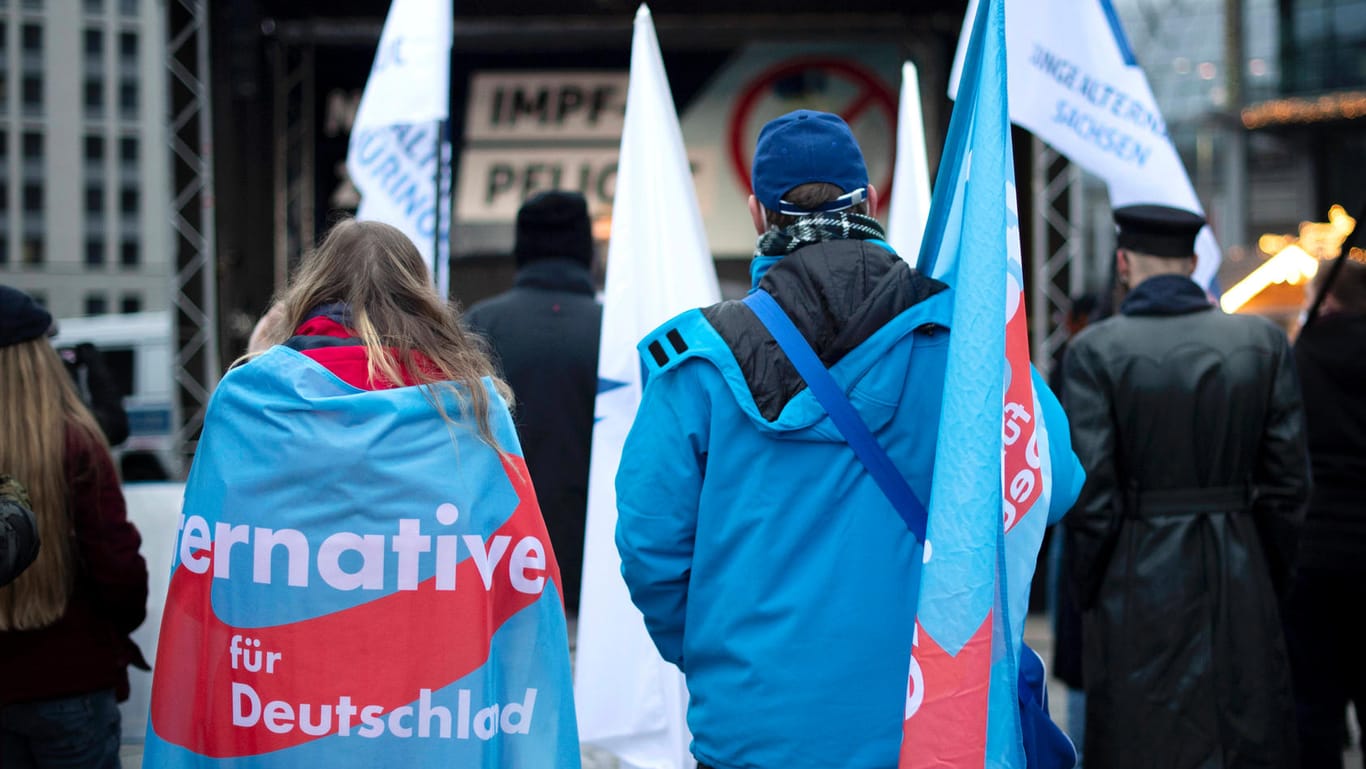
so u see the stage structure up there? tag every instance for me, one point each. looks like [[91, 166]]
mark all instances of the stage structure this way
[[194, 286]]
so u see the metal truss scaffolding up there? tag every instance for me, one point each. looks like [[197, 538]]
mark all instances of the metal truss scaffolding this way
[[1058, 248], [295, 139], [194, 289]]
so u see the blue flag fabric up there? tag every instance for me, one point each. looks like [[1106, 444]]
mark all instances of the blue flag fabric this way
[[992, 479], [355, 584]]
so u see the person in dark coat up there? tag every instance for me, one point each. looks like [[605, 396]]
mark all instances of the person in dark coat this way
[[1190, 425], [100, 393], [18, 531], [544, 333], [1330, 577]]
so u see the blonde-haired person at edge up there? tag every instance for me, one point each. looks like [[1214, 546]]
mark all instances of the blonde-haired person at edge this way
[[65, 622]]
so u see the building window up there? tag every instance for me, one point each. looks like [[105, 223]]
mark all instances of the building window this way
[[4, 148], [32, 38], [4, 249], [4, 203], [32, 251], [33, 94], [128, 254], [128, 99], [94, 43], [128, 201], [94, 253], [33, 198], [94, 200], [33, 145], [94, 149], [130, 303], [128, 48], [4, 40], [94, 97], [96, 304], [128, 150]]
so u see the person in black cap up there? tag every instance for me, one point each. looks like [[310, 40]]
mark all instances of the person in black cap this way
[[1191, 428], [767, 562], [544, 333], [65, 621]]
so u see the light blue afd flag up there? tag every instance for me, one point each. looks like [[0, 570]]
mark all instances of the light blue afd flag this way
[[356, 585], [992, 482]]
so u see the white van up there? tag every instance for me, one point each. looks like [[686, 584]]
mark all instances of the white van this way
[[137, 349]]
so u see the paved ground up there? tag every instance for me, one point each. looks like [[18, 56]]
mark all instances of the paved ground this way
[[1038, 635]]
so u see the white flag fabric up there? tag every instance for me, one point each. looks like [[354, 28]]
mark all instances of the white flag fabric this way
[[1074, 83], [399, 155], [910, 205], [629, 700]]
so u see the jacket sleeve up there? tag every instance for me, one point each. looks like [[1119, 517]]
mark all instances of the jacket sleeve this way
[[1068, 475], [18, 539], [107, 543], [659, 484], [1094, 522], [1281, 477]]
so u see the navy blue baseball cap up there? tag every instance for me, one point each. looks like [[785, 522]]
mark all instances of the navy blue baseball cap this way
[[803, 147]]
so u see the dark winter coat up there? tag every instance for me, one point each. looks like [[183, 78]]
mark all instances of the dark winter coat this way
[[544, 333], [88, 648], [1331, 355], [1190, 426]]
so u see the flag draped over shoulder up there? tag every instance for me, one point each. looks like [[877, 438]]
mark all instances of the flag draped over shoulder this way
[[630, 701], [1074, 82], [399, 153], [992, 482], [355, 585]]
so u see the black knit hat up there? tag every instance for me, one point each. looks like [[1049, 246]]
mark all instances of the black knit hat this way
[[554, 225], [21, 318]]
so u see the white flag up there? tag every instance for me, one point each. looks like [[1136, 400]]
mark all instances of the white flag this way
[[629, 700], [399, 155], [910, 206], [1075, 84]]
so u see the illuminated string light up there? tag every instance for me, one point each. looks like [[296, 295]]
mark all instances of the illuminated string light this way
[[1348, 105]]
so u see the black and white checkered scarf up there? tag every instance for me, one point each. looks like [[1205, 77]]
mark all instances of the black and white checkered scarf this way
[[816, 228]]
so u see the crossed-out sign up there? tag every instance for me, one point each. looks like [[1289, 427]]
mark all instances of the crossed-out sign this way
[[872, 100]]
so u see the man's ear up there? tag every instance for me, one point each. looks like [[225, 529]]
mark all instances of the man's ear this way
[[872, 200], [756, 213], [1122, 265]]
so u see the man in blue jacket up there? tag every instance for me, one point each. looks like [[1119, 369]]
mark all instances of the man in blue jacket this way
[[768, 564]]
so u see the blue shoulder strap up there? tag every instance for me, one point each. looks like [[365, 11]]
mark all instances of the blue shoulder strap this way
[[841, 411]]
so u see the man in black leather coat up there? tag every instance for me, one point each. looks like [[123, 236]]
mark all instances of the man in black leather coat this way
[[1190, 425]]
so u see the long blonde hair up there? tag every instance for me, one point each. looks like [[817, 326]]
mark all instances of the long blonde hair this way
[[377, 272], [38, 405]]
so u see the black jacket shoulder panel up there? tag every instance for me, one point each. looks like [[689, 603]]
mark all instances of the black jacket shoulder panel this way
[[837, 293]]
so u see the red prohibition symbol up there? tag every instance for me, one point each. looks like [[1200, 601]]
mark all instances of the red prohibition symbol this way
[[871, 92]]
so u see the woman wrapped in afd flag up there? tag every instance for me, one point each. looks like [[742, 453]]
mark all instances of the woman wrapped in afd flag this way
[[362, 576]]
